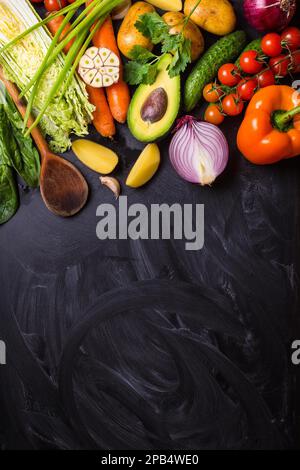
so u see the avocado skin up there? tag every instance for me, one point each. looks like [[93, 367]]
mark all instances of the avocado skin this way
[[134, 111], [205, 71]]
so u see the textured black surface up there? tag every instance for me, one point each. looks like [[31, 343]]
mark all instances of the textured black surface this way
[[142, 345]]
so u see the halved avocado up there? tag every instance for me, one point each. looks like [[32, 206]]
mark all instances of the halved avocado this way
[[154, 108]]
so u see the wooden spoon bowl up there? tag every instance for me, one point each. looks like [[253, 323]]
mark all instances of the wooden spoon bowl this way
[[63, 188]]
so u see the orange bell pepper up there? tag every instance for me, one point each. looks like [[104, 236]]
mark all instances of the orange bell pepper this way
[[270, 131]]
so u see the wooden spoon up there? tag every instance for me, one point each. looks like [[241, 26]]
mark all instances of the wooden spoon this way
[[63, 188]]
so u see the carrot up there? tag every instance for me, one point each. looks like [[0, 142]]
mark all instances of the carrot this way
[[54, 26], [118, 94], [119, 100], [102, 119]]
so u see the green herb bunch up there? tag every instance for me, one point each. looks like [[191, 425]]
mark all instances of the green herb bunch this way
[[143, 67]]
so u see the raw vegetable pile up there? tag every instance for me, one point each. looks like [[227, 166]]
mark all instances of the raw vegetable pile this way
[[76, 66], [21, 61], [266, 61]]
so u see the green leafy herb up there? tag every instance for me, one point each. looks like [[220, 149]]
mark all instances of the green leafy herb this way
[[181, 58], [142, 55], [153, 27], [18, 153], [25, 159], [8, 189], [9, 200], [135, 72], [143, 66]]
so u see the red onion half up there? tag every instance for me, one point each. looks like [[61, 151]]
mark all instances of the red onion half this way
[[198, 151], [269, 15]]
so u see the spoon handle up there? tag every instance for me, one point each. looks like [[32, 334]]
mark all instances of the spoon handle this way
[[36, 134]]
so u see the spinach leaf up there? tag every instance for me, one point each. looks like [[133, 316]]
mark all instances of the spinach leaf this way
[[8, 144], [8, 189], [9, 199], [24, 156]]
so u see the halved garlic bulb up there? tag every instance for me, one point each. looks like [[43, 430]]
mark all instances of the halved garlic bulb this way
[[99, 67]]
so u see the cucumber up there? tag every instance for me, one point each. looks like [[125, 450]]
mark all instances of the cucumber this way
[[224, 50], [254, 45]]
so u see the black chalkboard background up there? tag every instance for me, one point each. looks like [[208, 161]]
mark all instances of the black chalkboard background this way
[[142, 345]]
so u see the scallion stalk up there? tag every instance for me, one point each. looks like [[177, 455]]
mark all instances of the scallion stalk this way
[[81, 53], [85, 24], [52, 93], [50, 59], [36, 78]]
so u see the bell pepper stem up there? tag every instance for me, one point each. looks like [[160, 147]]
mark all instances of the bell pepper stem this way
[[281, 120]]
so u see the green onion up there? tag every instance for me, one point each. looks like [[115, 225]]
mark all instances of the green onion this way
[[52, 93], [81, 53], [36, 79], [49, 52]]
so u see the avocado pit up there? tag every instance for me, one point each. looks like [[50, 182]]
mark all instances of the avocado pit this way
[[155, 106]]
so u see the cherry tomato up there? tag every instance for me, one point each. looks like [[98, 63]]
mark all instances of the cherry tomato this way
[[280, 65], [229, 75], [232, 105], [271, 44], [291, 37], [212, 93], [266, 78], [55, 5], [213, 115], [246, 88], [249, 62]]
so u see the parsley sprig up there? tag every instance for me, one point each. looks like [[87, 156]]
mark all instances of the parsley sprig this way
[[143, 67]]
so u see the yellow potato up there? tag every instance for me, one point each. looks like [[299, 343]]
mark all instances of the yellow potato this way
[[128, 35], [95, 156], [168, 5], [145, 167], [191, 32], [215, 16]]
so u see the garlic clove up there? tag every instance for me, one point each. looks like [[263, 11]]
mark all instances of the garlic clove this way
[[89, 77], [112, 184], [112, 61], [91, 52], [84, 71], [98, 62], [97, 82], [107, 80], [104, 53], [86, 62]]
